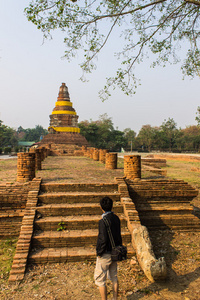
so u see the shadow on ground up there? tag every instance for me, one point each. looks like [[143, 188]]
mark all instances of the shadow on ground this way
[[175, 284]]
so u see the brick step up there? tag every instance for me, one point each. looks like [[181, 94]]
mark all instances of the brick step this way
[[153, 159], [71, 238], [71, 222], [148, 165], [8, 213], [164, 210], [60, 255], [162, 202], [48, 198], [154, 182], [154, 169], [163, 188], [10, 226], [83, 187], [142, 186], [164, 193], [175, 220], [67, 209], [161, 185], [11, 231], [162, 205], [176, 227]]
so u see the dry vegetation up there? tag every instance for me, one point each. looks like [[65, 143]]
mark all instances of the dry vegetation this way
[[75, 280], [8, 170], [187, 171], [77, 169]]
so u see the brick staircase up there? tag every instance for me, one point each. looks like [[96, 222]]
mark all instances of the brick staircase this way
[[74, 209], [164, 204]]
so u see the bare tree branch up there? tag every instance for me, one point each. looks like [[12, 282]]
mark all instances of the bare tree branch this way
[[196, 2], [127, 12]]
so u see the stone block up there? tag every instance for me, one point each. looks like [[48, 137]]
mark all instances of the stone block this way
[[154, 269]]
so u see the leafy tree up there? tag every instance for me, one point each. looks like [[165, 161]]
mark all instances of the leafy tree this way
[[117, 141], [31, 134], [130, 136], [101, 134], [20, 129], [169, 134], [189, 139], [89, 131], [105, 132], [198, 116], [105, 122], [160, 26], [146, 137], [7, 137], [20, 133]]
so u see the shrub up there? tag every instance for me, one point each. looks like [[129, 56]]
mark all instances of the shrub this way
[[16, 149], [7, 150]]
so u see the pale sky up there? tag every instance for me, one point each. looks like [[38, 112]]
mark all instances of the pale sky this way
[[31, 73]]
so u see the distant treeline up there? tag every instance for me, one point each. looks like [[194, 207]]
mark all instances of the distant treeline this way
[[10, 137], [102, 134], [167, 137]]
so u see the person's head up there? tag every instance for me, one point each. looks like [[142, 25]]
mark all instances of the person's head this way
[[106, 204]]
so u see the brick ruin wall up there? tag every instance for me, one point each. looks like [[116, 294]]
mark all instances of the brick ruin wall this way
[[62, 149], [13, 198], [150, 197], [164, 203], [181, 157], [102, 155], [154, 165], [25, 166], [111, 161], [132, 166], [154, 162]]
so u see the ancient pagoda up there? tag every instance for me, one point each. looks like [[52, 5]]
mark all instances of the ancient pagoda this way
[[64, 134]]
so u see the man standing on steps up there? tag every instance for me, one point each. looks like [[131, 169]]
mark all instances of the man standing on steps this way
[[104, 264]]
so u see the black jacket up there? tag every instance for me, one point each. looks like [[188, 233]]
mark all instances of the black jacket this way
[[103, 241]]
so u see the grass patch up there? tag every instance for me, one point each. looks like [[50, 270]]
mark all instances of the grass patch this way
[[73, 169], [182, 170], [120, 163], [36, 287], [8, 170], [7, 251]]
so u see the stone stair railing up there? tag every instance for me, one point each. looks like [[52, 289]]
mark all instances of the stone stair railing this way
[[24, 242]]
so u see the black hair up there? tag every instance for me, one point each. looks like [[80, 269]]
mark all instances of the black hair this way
[[106, 203]]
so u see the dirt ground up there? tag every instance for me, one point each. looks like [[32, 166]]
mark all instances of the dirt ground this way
[[75, 280]]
